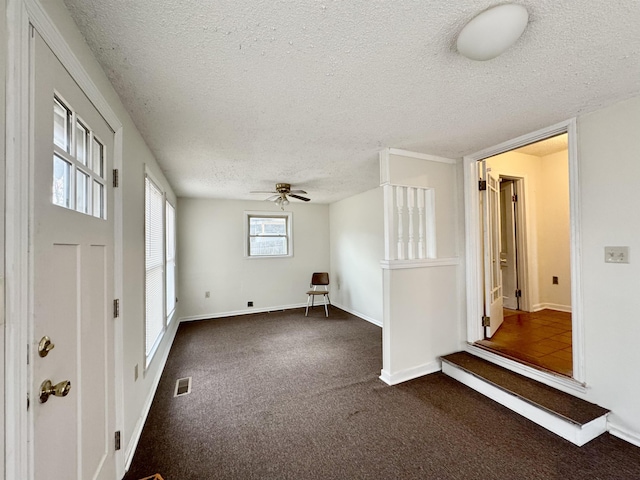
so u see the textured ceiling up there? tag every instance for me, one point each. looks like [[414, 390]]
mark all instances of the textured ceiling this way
[[236, 95]]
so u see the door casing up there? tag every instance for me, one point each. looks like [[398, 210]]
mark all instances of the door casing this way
[[474, 270]]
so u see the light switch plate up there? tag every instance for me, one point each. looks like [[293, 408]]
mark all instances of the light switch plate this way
[[616, 254]]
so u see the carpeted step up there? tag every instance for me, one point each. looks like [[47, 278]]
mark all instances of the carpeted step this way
[[570, 417]]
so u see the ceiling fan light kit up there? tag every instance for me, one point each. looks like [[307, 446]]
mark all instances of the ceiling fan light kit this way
[[282, 193], [492, 32]]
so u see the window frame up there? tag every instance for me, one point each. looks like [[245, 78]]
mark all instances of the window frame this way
[[288, 216], [167, 317], [170, 258]]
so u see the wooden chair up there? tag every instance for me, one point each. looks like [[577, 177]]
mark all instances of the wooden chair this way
[[319, 279]]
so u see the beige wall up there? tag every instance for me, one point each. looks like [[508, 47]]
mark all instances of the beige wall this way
[[211, 258], [547, 227], [357, 246], [554, 232]]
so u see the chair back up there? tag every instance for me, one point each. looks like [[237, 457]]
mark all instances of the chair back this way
[[320, 278]]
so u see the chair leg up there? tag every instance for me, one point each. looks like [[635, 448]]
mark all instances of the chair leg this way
[[326, 310], [307, 310]]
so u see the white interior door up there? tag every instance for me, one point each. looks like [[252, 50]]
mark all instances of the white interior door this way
[[508, 246], [492, 273], [71, 235]]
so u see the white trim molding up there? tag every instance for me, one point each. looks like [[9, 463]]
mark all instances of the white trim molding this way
[[420, 156], [410, 373], [246, 311], [377, 323], [623, 433], [423, 263]]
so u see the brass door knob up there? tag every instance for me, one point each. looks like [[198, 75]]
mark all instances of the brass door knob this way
[[45, 346], [58, 390]]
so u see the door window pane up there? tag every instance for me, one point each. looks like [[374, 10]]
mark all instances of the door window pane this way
[[82, 192], [61, 182], [98, 200], [97, 154], [81, 143], [61, 122]]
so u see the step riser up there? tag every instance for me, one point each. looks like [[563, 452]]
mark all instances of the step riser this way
[[574, 433]]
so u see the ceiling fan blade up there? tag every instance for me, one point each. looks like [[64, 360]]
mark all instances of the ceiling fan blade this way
[[262, 191], [271, 198], [298, 191], [304, 199]]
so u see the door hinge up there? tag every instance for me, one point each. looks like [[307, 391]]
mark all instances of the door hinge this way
[[486, 321], [117, 440], [28, 353], [482, 185], [514, 198], [116, 308], [518, 293], [116, 179]]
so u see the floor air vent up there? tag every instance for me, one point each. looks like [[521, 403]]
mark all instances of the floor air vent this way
[[183, 387]]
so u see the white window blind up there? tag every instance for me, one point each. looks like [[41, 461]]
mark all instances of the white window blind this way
[[171, 260], [154, 261]]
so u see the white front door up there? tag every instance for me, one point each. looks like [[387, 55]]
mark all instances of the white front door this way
[[492, 273], [71, 244]]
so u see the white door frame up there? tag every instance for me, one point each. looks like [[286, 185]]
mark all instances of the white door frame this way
[[20, 14], [475, 289]]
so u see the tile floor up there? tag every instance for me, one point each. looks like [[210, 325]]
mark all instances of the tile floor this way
[[542, 339]]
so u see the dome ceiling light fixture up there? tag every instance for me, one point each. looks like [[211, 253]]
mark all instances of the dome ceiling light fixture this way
[[492, 32]]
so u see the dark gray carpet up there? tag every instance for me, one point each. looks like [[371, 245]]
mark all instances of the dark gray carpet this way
[[281, 396]]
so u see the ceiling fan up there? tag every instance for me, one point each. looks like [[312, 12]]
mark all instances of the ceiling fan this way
[[282, 193]]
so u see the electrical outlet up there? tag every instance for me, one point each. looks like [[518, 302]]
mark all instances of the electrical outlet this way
[[207, 294], [616, 254], [135, 373], [249, 304]]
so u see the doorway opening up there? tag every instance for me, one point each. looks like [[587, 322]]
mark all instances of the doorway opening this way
[[526, 249]]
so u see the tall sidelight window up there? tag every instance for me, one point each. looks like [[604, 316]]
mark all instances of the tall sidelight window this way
[[170, 260], [154, 264], [268, 235]]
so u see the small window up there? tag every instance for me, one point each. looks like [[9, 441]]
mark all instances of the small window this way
[[268, 235]]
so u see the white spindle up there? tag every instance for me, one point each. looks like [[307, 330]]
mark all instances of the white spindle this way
[[411, 202], [400, 207], [421, 223]]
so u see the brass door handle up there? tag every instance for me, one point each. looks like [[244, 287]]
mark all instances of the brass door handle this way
[[58, 390], [45, 346]]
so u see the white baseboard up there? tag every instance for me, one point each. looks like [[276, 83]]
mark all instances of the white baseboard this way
[[247, 311], [360, 315], [551, 306], [624, 433], [137, 431], [575, 433], [410, 373]]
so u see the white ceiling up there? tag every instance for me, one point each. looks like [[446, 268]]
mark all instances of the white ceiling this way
[[236, 95], [546, 147]]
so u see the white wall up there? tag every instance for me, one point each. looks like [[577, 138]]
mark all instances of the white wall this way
[[609, 153], [136, 155], [357, 246], [211, 258]]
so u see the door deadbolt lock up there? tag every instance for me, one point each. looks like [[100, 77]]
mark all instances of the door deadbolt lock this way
[[45, 346], [58, 390]]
